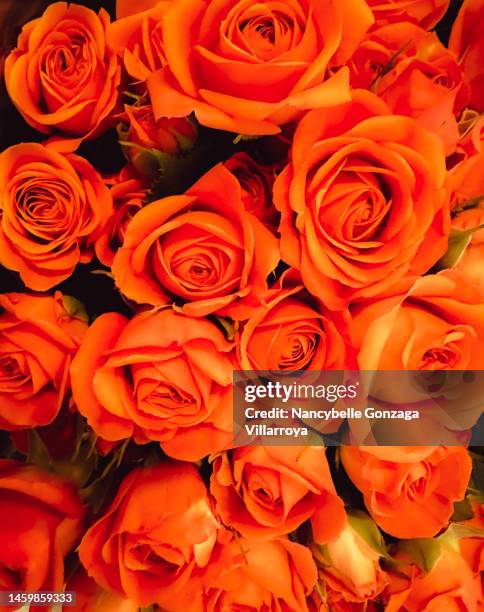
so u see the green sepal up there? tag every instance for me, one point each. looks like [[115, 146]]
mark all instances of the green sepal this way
[[74, 308], [462, 511], [458, 242], [424, 551], [38, 453], [367, 529]]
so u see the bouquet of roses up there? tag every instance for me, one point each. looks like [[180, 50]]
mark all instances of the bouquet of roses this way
[[190, 188]]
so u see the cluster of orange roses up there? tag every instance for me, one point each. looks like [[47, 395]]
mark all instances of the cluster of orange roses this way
[[302, 188]]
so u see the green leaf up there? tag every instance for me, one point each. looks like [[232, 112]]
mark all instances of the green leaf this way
[[101, 272], [366, 528], [241, 137], [424, 551], [75, 308], [95, 493], [229, 327], [462, 511], [458, 242], [37, 451], [456, 531]]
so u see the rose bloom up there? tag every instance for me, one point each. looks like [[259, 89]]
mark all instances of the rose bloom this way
[[136, 36], [467, 43], [53, 207], [202, 247], [248, 67], [40, 522], [409, 493], [264, 576], [436, 325], [128, 190], [267, 491], [362, 201], [256, 183], [427, 13], [290, 333], [90, 597], [39, 335], [350, 570], [415, 75], [143, 136], [162, 376], [449, 585], [62, 76], [159, 541]]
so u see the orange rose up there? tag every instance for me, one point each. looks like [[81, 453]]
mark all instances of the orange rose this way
[[410, 70], [437, 325], [202, 247], [409, 495], [266, 491], [467, 43], [256, 183], [38, 337], [40, 521], [264, 576], [76, 73], [425, 12], [163, 376], [143, 138], [290, 333], [90, 597], [248, 67], [362, 201], [52, 209], [449, 586], [350, 570], [159, 541], [136, 36], [128, 191]]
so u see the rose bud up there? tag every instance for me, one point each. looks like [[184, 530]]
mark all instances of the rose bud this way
[[256, 183], [129, 191], [143, 137], [350, 569]]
